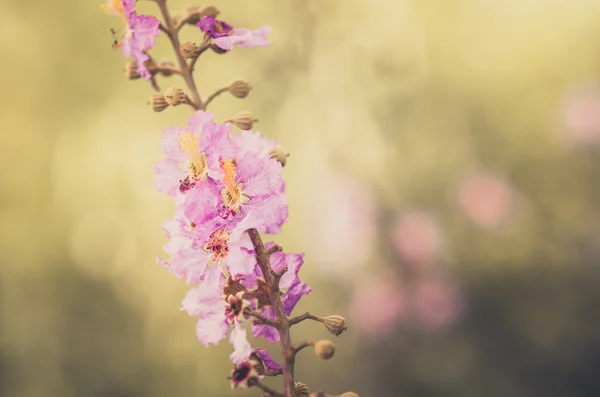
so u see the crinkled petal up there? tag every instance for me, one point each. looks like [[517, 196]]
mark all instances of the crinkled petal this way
[[241, 346], [189, 264], [167, 175], [206, 297], [178, 242], [252, 142], [270, 212], [293, 295], [170, 144], [240, 261], [244, 38], [203, 202], [259, 176], [294, 262], [267, 359], [270, 333]]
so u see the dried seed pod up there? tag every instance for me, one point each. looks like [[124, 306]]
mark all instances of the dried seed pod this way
[[158, 102], [188, 49], [335, 324], [244, 120], [131, 70], [324, 349], [175, 96], [300, 390], [280, 154], [240, 89]]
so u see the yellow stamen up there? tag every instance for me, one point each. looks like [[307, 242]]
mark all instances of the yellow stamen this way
[[189, 144], [232, 194], [115, 7]]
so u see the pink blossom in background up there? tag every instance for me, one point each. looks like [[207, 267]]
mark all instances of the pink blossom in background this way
[[485, 199], [417, 237], [581, 115], [377, 305], [435, 303], [343, 224]]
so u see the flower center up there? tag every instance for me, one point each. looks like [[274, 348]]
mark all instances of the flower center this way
[[241, 373], [218, 244], [232, 194], [197, 161]]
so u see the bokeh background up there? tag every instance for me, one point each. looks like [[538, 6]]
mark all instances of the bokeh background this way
[[443, 183]]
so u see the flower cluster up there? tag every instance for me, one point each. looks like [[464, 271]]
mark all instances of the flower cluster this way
[[227, 188]]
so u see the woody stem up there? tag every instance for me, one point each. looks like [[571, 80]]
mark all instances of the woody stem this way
[[283, 325], [173, 35]]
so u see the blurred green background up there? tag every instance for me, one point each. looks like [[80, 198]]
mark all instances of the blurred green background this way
[[443, 183]]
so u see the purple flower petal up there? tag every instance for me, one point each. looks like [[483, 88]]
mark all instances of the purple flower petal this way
[[267, 360], [270, 333]]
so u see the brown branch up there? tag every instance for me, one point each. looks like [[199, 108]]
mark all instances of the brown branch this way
[[287, 351], [174, 38], [267, 389], [166, 69], [302, 317], [188, 101], [214, 95], [274, 249], [302, 345], [262, 318]]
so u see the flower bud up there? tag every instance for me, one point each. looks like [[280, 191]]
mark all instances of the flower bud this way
[[349, 394], [280, 154], [244, 120], [300, 390], [175, 96], [131, 70], [240, 89], [325, 349], [158, 102], [188, 49], [193, 14], [335, 324]]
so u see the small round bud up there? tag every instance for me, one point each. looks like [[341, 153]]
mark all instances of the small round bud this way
[[175, 96], [300, 390], [335, 324], [131, 70], [244, 120], [349, 394], [240, 89], [188, 49], [280, 154], [325, 349], [158, 102]]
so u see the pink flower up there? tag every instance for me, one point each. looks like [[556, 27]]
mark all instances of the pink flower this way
[[192, 154], [252, 142], [485, 199], [225, 36], [215, 311], [138, 35], [417, 237]]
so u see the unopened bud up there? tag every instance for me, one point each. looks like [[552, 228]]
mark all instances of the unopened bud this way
[[240, 89], [325, 349], [300, 390], [335, 324], [175, 96], [193, 14], [158, 102], [188, 49], [349, 394], [244, 120], [280, 154], [131, 70]]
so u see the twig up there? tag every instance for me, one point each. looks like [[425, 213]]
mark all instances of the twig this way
[[274, 249], [214, 95], [262, 257], [262, 318], [302, 317], [173, 37], [302, 345], [267, 389], [188, 101], [203, 47]]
